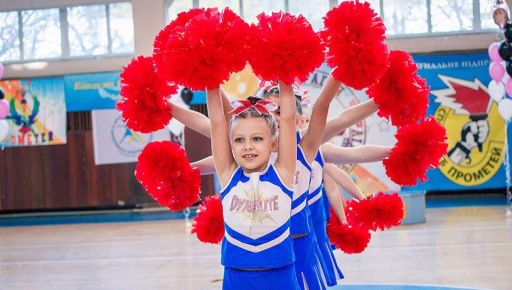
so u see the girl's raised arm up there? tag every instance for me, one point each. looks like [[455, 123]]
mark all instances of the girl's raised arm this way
[[287, 152], [360, 154], [314, 135], [197, 121], [347, 118], [205, 165], [334, 197], [191, 119], [344, 180], [221, 147]]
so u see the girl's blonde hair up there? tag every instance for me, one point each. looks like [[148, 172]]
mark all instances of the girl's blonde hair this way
[[253, 113]]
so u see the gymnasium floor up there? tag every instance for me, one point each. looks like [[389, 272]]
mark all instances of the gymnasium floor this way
[[469, 247]]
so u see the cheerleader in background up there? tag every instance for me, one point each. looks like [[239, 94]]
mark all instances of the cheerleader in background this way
[[316, 201]]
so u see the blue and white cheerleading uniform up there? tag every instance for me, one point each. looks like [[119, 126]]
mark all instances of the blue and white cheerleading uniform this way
[[257, 249], [316, 203], [308, 261]]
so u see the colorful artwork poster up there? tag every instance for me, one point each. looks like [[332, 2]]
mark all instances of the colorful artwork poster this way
[[459, 100], [86, 92], [37, 112]]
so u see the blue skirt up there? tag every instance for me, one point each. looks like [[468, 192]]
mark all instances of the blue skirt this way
[[332, 270], [279, 278], [308, 264]]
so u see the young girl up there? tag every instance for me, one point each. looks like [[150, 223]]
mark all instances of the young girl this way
[[257, 250], [309, 262], [317, 203], [309, 258]]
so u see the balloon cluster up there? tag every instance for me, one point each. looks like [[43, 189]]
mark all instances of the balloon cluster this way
[[500, 70], [4, 111]]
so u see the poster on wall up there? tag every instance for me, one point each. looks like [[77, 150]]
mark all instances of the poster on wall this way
[[476, 132], [86, 92], [370, 177], [115, 143], [37, 112]]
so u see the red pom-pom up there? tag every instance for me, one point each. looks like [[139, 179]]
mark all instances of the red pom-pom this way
[[284, 47], [208, 225], [401, 94], [351, 239], [354, 35], [143, 103], [419, 147], [379, 212], [201, 47], [164, 171]]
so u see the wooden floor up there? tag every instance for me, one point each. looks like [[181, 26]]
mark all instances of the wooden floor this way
[[463, 246]]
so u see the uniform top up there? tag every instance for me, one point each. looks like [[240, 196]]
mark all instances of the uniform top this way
[[256, 209]]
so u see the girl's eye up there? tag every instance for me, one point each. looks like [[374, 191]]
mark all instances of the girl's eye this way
[[239, 140], [257, 138]]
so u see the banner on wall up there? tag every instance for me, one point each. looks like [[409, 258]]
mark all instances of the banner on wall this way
[[476, 132], [370, 177], [114, 142], [37, 112], [86, 92]]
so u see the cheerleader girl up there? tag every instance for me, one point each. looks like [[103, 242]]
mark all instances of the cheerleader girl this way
[[317, 203], [316, 200], [310, 264], [257, 250]]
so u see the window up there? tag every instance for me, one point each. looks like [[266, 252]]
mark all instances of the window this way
[[451, 15], [121, 28], [232, 4], [66, 32], [87, 30], [401, 17], [9, 37], [405, 16], [374, 4], [486, 21], [253, 8], [313, 10], [41, 34], [176, 7]]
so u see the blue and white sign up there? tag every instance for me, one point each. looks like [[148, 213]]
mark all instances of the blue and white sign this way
[[86, 92], [476, 132]]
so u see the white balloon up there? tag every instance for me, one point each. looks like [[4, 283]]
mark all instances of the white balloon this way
[[505, 78], [4, 129], [505, 108], [496, 90]]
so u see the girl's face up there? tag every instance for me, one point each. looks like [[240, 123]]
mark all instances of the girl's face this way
[[252, 143]]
